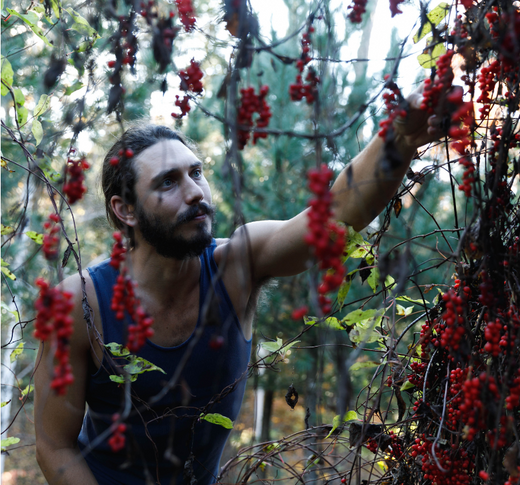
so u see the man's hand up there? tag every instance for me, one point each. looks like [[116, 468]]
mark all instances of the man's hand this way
[[417, 128]]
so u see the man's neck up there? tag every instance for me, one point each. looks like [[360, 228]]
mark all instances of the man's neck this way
[[159, 276]]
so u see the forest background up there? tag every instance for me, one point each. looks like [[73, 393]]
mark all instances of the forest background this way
[[59, 93]]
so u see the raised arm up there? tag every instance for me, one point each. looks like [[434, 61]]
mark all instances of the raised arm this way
[[361, 191], [58, 419]]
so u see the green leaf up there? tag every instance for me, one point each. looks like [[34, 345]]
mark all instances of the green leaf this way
[[37, 238], [6, 229], [117, 350], [343, 291], [358, 316], [364, 328], [373, 279], [44, 103], [55, 4], [401, 310], [28, 390], [411, 300], [71, 89], [407, 385], [4, 403], [139, 365], [356, 246], [350, 416], [16, 352], [8, 273], [31, 19], [276, 346], [337, 421], [310, 320], [389, 281], [8, 442], [80, 24], [18, 96], [333, 322], [118, 379], [7, 75], [37, 131], [22, 113], [363, 365], [435, 17], [429, 59], [216, 418]]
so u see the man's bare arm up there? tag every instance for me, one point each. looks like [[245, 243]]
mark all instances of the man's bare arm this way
[[58, 419], [361, 191]]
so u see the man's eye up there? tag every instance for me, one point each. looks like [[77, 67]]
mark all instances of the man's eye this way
[[167, 183], [197, 172]]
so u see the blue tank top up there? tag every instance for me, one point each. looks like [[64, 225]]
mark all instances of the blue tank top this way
[[166, 437]]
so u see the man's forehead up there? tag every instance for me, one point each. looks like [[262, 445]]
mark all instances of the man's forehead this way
[[165, 155]]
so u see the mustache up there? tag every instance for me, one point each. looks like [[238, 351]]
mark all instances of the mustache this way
[[194, 211]]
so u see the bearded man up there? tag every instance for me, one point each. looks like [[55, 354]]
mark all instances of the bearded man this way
[[201, 293]]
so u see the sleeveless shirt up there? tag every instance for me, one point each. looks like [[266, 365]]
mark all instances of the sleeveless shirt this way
[[166, 438]]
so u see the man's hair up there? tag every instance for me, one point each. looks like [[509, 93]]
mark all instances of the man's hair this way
[[120, 179]]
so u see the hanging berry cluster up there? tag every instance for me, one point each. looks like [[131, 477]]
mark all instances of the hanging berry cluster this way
[[358, 8], [50, 240], [325, 236], [394, 7], [190, 83], [394, 104], [299, 90], [53, 308], [124, 47], [74, 187], [187, 14], [249, 104], [117, 440], [124, 302]]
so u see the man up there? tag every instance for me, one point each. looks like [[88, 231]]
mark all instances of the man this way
[[201, 294]]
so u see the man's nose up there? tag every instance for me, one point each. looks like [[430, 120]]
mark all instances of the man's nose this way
[[193, 192]]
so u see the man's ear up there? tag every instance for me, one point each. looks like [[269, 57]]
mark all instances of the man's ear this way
[[123, 211]]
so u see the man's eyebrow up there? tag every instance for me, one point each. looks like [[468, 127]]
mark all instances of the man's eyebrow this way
[[173, 172]]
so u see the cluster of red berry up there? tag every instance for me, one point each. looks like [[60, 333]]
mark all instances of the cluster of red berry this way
[[487, 80], [249, 104], [393, 103], [457, 465], [51, 240], [325, 236], [358, 9], [124, 47], [118, 251], [73, 187], [298, 90], [53, 308], [187, 14], [124, 301], [434, 91], [190, 82], [123, 154], [117, 440]]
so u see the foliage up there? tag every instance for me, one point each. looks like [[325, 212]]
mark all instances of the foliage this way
[[422, 339]]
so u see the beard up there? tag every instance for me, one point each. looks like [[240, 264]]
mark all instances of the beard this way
[[164, 237]]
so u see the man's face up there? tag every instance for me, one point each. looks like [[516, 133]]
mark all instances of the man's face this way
[[173, 210]]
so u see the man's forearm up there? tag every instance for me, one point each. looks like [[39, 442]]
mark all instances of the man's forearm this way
[[65, 466], [364, 188]]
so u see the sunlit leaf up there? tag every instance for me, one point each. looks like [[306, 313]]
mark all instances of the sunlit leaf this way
[[71, 89], [429, 59], [37, 238], [216, 418], [37, 131], [373, 279], [28, 390], [3, 164], [55, 4], [7, 75], [276, 346], [22, 113], [401, 310], [31, 19], [12, 312], [18, 96], [4, 403], [358, 316], [337, 421], [6, 271], [407, 385], [44, 103], [6, 229], [8, 442], [435, 17], [80, 24], [411, 300], [16, 352]]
